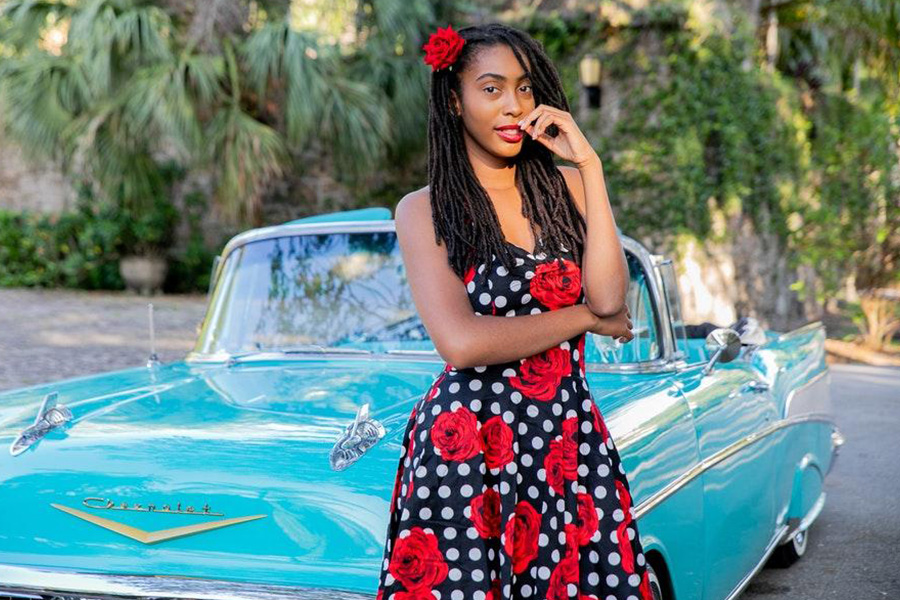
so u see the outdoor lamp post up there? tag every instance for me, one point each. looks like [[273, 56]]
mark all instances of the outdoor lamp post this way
[[589, 70]]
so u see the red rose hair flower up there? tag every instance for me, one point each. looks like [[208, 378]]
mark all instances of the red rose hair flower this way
[[442, 48]]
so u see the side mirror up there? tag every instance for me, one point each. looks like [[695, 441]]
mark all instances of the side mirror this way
[[723, 345]]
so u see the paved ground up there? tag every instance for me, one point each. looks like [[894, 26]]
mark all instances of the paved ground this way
[[853, 545], [47, 335]]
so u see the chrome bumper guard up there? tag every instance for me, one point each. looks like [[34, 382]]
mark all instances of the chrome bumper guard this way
[[837, 440]]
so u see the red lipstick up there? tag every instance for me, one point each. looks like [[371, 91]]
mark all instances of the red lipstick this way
[[510, 133]]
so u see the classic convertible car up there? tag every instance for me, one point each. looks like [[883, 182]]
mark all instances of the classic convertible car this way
[[261, 466]]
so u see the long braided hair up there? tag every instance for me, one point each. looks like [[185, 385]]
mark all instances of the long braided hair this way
[[463, 214]]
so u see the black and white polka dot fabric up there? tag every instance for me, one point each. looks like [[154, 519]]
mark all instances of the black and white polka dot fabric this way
[[509, 485]]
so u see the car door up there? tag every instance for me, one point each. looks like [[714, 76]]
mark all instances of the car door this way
[[652, 427], [732, 408]]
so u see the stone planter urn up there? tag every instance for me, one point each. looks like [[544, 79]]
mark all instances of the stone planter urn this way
[[143, 274]]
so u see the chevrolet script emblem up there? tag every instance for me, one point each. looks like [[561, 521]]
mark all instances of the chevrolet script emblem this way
[[152, 537]]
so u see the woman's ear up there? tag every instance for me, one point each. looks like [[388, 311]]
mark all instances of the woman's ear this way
[[455, 108]]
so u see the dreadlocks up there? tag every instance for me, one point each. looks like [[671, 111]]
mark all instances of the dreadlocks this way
[[463, 214]]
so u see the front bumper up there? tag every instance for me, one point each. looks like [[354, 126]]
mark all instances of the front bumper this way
[[41, 584]]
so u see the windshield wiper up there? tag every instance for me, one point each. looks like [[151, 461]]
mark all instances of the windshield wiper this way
[[299, 349], [319, 348]]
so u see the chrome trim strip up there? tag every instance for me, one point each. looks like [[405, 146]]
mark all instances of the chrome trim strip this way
[[803, 524], [773, 543], [30, 580], [814, 511], [676, 484]]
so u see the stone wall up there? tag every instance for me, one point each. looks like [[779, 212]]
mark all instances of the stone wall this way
[[28, 184]]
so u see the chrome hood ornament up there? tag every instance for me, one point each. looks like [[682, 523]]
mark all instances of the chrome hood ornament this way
[[50, 416], [360, 435]]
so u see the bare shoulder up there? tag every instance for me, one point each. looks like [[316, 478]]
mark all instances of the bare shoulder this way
[[576, 185], [415, 202], [413, 220]]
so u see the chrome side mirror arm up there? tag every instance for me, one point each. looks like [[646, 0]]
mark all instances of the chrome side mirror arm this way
[[724, 345]]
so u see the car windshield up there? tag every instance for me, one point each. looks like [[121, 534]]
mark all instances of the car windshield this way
[[303, 292], [347, 292]]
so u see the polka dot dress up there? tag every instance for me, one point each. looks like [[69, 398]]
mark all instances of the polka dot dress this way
[[509, 485]]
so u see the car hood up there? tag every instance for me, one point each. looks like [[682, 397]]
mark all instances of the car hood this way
[[245, 440], [251, 439]]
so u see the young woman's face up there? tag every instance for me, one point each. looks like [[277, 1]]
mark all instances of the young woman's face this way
[[495, 93]]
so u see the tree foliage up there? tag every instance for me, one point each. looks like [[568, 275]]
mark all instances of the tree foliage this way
[[109, 87]]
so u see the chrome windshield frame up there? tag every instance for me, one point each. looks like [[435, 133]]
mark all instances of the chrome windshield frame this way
[[666, 361]]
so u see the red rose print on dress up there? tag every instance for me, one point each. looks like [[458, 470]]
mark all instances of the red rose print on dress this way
[[412, 447], [572, 544], [432, 391], [646, 592], [556, 286], [455, 434], [494, 592], [396, 487], [485, 513], [621, 529], [599, 424], [587, 518], [521, 536], [414, 595], [469, 276], [497, 442], [417, 562], [566, 570], [542, 373], [570, 447], [554, 469]]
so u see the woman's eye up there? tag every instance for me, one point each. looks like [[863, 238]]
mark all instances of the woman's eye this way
[[492, 87]]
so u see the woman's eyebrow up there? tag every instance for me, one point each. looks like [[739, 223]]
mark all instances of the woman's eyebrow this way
[[500, 77]]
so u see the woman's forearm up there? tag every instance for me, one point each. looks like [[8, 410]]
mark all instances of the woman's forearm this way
[[604, 273], [489, 339]]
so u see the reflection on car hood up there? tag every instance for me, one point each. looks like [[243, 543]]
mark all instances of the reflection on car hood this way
[[246, 440], [249, 439]]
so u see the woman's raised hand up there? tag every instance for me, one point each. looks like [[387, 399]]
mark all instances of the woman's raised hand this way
[[569, 144]]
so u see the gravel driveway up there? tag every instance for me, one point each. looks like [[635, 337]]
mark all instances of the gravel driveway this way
[[47, 335]]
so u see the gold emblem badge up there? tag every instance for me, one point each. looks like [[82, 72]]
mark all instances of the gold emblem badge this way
[[152, 537]]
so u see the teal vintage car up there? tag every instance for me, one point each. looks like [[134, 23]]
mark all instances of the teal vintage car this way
[[261, 466]]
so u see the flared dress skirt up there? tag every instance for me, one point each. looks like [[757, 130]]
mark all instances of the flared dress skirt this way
[[509, 485]]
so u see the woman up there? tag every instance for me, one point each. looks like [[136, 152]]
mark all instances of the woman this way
[[509, 485]]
